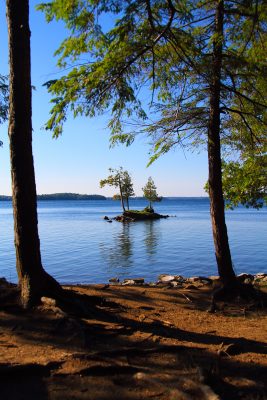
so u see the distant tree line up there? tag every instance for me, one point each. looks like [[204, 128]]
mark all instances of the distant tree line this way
[[70, 196], [63, 196]]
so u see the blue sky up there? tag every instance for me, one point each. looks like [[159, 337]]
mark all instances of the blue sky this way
[[76, 161]]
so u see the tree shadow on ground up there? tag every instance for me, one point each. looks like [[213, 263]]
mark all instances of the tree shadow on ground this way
[[112, 354]]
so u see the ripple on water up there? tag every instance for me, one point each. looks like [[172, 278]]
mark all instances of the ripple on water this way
[[79, 246]]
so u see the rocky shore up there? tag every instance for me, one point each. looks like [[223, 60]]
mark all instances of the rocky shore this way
[[194, 282]]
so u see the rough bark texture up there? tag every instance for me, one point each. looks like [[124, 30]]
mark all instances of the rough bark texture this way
[[34, 281], [220, 237]]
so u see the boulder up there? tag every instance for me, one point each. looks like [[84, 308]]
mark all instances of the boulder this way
[[127, 282], [179, 278], [166, 278]]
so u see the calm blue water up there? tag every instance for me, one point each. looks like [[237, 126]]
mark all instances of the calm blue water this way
[[78, 246]]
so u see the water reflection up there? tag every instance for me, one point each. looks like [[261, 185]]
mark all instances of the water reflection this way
[[118, 253], [151, 237], [131, 243]]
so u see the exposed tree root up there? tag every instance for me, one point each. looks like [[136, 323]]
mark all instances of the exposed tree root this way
[[229, 293]]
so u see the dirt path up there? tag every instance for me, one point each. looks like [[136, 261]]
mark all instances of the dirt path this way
[[132, 343]]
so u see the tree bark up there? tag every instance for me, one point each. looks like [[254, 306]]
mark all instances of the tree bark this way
[[220, 236], [33, 279]]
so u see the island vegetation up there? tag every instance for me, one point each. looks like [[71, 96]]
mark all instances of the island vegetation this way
[[121, 179]]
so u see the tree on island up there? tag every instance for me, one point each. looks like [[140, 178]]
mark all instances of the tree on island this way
[[121, 179], [34, 282], [127, 187], [150, 193], [204, 62]]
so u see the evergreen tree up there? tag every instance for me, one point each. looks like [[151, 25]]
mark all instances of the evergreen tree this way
[[206, 66], [127, 187], [150, 193]]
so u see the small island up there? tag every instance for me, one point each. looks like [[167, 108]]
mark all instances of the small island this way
[[121, 179], [139, 215]]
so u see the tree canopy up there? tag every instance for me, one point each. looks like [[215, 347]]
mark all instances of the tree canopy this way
[[165, 47], [204, 64], [245, 181]]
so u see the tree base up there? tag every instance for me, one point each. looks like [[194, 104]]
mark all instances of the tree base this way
[[32, 289], [229, 293]]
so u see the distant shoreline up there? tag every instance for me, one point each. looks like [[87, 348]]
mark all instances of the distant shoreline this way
[[76, 196], [62, 196]]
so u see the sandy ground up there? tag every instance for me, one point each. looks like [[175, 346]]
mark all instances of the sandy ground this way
[[115, 342]]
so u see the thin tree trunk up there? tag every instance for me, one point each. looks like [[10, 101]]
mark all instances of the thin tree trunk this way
[[122, 201], [220, 237], [34, 281]]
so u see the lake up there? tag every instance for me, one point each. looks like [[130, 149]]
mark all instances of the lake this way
[[78, 246]]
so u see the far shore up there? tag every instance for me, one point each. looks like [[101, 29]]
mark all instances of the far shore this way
[[78, 196]]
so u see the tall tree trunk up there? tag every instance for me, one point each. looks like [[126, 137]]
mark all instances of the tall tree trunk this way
[[220, 237], [33, 280]]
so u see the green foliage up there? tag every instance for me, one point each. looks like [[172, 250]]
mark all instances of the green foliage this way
[[121, 179], [150, 193], [127, 185], [245, 182], [165, 47], [120, 49]]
